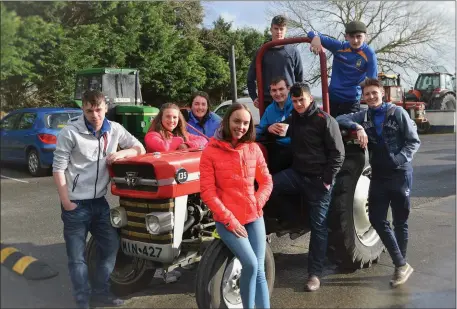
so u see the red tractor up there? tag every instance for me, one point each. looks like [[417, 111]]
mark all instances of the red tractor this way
[[164, 224], [436, 90]]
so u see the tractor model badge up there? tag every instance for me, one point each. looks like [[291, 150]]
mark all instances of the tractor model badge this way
[[181, 175]]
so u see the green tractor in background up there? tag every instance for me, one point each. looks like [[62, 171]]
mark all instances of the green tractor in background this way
[[121, 87]]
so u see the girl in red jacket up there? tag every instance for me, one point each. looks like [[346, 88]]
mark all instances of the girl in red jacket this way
[[236, 206], [168, 132]]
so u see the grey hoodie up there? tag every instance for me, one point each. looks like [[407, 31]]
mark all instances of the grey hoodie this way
[[277, 61], [82, 157]]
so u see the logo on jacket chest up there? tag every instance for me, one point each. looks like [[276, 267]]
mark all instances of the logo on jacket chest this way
[[358, 63]]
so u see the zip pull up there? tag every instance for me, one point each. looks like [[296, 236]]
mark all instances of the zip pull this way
[[105, 143]]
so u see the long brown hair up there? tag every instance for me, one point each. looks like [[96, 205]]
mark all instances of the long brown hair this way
[[180, 130], [227, 135]]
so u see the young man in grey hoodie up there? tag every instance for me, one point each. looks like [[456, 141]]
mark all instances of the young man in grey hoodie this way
[[284, 60], [392, 140], [84, 149]]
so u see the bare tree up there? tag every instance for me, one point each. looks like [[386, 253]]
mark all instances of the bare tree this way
[[407, 36]]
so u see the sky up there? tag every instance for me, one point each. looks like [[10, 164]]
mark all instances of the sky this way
[[241, 13], [258, 14]]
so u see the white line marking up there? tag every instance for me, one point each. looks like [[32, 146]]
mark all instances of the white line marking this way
[[14, 179]]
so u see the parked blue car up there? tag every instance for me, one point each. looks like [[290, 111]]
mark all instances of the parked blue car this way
[[29, 136]]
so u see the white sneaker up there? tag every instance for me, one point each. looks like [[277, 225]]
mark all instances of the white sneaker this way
[[401, 275]]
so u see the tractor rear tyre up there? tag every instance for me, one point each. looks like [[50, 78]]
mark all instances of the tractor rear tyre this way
[[447, 102], [353, 242]]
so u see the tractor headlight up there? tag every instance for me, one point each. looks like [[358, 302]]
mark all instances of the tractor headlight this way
[[118, 217], [159, 222]]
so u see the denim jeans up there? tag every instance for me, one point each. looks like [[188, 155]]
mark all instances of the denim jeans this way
[[288, 187], [393, 190], [251, 253], [90, 216]]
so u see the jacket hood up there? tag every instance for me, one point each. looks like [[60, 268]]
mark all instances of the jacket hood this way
[[218, 142], [80, 124], [385, 108]]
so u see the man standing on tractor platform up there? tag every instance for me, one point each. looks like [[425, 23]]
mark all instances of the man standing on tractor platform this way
[[84, 149], [318, 154], [284, 60], [353, 61], [271, 131], [392, 141]]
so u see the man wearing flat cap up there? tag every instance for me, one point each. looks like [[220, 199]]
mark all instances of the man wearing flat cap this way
[[353, 61], [284, 60]]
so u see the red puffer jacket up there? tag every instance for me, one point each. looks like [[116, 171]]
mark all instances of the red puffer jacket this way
[[227, 182], [155, 142]]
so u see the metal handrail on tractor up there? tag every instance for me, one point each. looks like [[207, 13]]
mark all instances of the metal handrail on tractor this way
[[323, 66]]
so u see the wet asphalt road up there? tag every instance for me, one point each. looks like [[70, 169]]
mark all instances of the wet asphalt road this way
[[30, 221]]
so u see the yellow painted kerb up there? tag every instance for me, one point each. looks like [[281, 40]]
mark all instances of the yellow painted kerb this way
[[23, 263], [6, 252]]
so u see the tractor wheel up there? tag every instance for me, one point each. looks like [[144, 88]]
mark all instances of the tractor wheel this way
[[218, 273], [353, 242], [130, 274], [447, 102]]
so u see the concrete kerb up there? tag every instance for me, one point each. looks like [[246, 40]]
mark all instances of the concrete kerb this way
[[25, 265]]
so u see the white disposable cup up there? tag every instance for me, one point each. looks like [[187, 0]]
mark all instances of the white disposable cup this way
[[285, 126]]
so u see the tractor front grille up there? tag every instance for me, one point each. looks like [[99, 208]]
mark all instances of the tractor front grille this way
[[136, 211]]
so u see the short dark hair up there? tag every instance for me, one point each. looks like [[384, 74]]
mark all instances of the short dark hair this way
[[200, 94], [279, 20], [298, 89], [227, 135], [278, 79], [371, 82], [93, 97]]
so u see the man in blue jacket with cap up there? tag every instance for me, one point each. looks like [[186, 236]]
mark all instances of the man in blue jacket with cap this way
[[353, 61]]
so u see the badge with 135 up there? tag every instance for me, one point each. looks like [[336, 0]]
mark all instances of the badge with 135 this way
[[181, 175]]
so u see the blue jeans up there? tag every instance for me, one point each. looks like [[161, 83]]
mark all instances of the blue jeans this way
[[251, 253], [288, 187], [90, 216], [393, 190]]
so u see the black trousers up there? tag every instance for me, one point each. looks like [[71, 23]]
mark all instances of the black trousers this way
[[337, 109]]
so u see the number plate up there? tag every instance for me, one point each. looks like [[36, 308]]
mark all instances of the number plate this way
[[146, 251]]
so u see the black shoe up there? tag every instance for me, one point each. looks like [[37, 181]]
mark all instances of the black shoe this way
[[101, 300], [296, 234]]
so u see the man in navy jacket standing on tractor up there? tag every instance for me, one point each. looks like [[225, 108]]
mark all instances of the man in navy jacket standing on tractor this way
[[284, 60], [353, 61], [392, 140]]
